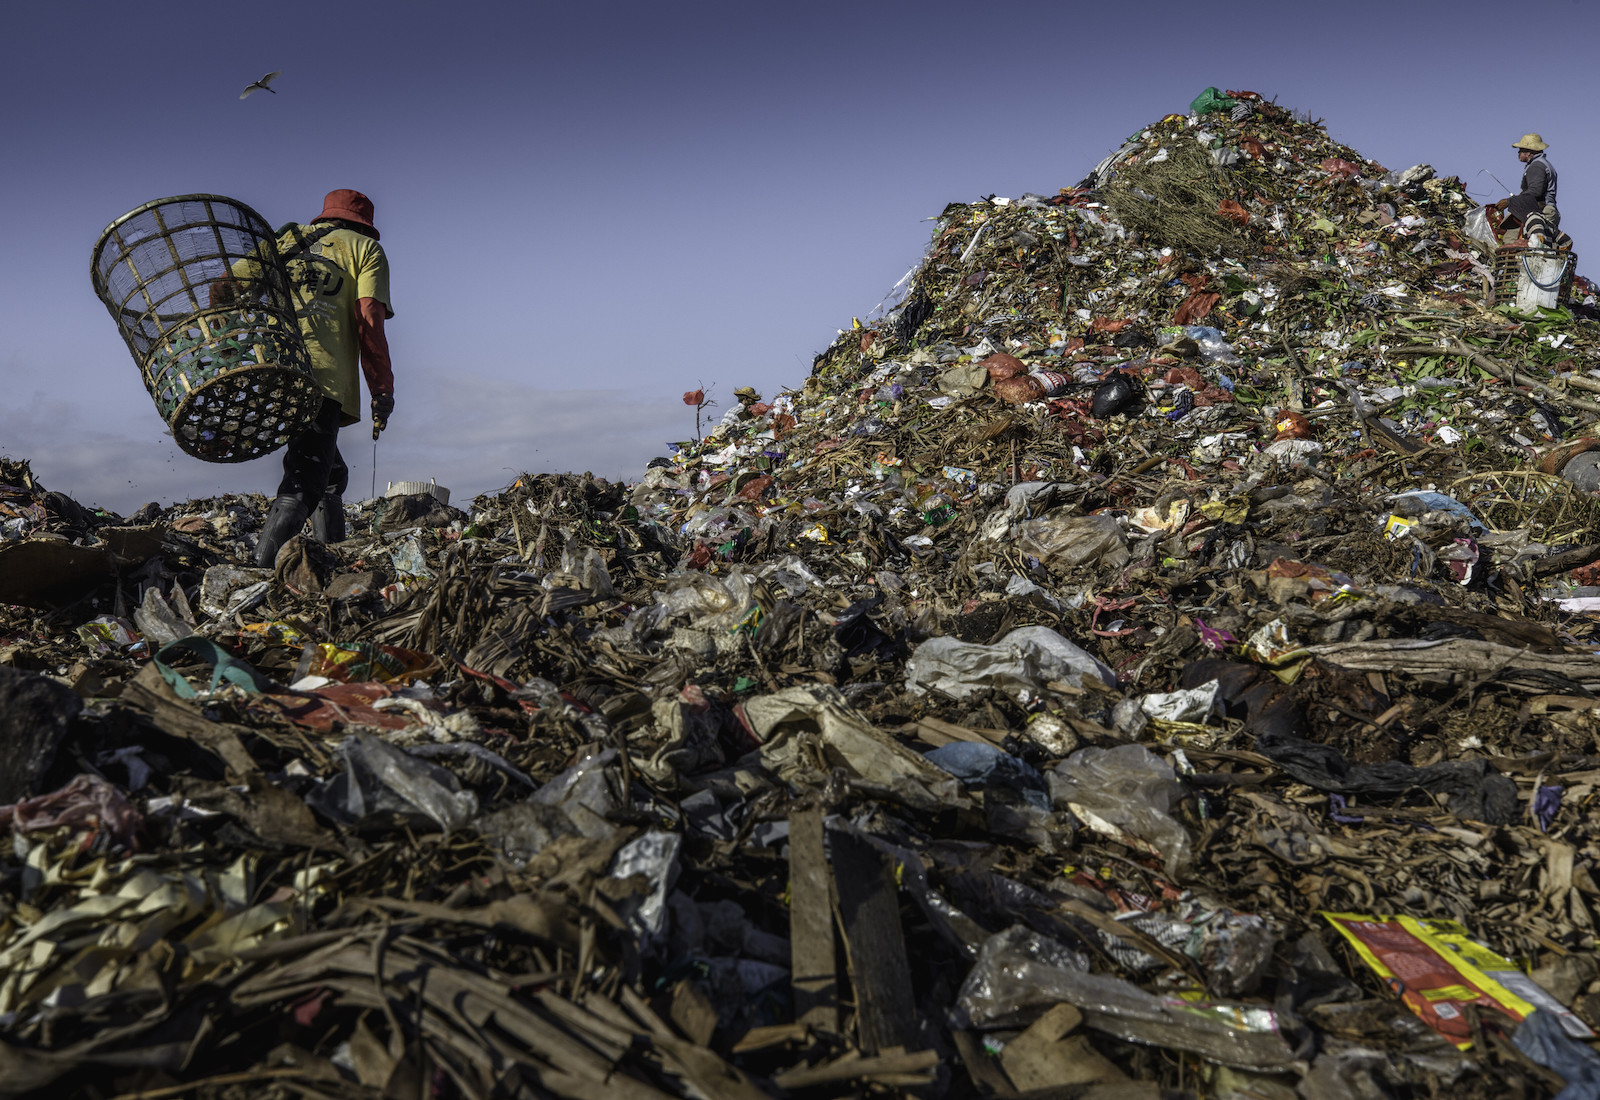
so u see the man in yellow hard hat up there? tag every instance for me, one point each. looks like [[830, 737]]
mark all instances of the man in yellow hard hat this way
[[1538, 194]]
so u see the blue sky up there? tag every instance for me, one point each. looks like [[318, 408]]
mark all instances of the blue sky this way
[[591, 208]]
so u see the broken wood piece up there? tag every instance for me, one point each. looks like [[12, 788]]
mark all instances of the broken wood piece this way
[[1048, 1055], [982, 1066], [875, 947], [811, 949], [1551, 564], [695, 1016], [772, 1035], [919, 1064], [937, 732]]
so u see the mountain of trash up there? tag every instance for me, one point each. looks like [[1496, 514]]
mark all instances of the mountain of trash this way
[[1152, 656]]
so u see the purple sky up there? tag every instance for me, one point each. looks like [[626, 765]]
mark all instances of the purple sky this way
[[590, 208]]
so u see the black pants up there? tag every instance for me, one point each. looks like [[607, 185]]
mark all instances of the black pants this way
[[312, 464], [1522, 207]]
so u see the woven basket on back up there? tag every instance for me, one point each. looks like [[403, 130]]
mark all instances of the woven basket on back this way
[[201, 298]]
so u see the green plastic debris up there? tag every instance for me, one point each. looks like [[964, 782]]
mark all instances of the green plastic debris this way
[[1211, 101]]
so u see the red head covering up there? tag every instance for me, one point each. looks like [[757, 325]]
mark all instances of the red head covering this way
[[351, 206]]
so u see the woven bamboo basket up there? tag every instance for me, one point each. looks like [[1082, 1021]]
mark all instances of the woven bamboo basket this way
[[1513, 265], [202, 300]]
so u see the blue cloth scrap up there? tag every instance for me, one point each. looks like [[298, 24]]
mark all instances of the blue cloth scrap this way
[[981, 765], [1546, 805], [1540, 1037], [1336, 808]]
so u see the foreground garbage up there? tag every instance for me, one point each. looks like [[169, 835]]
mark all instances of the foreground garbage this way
[[1153, 657]]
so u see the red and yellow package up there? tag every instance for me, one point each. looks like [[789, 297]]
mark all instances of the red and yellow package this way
[[362, 662], [1435, 979]]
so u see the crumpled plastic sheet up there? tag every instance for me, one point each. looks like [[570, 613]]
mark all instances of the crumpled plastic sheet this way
[[379, 777], [1233, 949], [1127, 793], [788, 721], [1475, 789], [654, 856], [712, 604], [1065, 542], [1019, 664], [1020, 973], [584, 793], [88, 802], [1185, 705], [489, 762]]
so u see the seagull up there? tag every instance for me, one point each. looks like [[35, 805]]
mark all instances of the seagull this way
[[261, 85]]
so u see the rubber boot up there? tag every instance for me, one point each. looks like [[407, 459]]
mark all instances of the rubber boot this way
[[327, 522], [284, 520]]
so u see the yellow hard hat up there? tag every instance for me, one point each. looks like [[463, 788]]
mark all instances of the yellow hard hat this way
[[1533, 143]]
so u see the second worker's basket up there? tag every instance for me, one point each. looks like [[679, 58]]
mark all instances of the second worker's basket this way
[[1537, 278], [201, 298]]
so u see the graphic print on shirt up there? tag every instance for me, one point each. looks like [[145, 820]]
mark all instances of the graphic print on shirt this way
[[318, 283]]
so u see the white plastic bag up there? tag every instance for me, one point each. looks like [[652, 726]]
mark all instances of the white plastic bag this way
[[1478, 227]]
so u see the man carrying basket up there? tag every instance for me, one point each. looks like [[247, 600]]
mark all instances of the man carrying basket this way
[[339, 277]]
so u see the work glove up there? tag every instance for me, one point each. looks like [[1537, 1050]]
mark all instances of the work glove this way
[[382, 407]]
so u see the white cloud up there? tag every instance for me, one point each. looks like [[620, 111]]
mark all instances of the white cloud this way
[[472, 434]]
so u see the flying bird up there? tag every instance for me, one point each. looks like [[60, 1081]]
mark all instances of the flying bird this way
[[261, 85]]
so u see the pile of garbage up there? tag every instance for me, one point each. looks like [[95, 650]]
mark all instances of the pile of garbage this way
[[1153, 655]]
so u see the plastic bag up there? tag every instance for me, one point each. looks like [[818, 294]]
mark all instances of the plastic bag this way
[[408, 558], [226, 590], [1478, 227], [158, 621], [1117, 394], [362, 662], [653, 856], [1068, 541], [1127, 793], [802, 727], [712, 604], [107, 634], [1025, 500], [1019, 664], [1019, 974], [586, 565], [1058, 659], [380, 778], [1540, 1038], [1212, 101], [1213, 348]]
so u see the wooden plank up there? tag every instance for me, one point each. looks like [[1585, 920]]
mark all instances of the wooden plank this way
[[773, 1035], [875, 946], [937, 731], [811, 953], [1048, 1055], [693, 1013], [707, 1074], [920, 1064], [984, 1071]]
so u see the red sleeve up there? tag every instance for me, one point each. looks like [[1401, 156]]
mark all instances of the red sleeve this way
[[374, 347]]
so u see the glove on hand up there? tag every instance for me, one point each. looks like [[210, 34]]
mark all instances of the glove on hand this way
[[382, 407]]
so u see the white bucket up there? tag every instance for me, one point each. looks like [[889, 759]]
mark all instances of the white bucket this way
[[412, 488], [1539, 281]]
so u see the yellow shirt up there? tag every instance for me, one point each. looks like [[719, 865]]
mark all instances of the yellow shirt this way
[[328, 279]]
